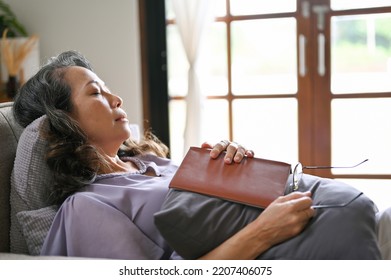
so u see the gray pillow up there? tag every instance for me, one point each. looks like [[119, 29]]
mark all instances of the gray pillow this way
[[194, 224], [35, 225], [30, 179]]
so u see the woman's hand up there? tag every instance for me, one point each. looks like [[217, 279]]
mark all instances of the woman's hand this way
[[285, 217], [235, 152]]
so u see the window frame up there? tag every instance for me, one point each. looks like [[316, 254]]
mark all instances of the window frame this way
[[314, 110]]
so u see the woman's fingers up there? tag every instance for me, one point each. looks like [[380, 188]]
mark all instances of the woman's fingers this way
[[234, 151]]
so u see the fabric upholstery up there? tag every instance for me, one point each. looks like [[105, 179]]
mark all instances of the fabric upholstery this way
[[9, 134], [383, 228], [35, 225], [30, 179]]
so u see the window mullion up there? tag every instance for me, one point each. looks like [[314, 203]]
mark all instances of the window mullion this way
[[229, 72], [314, 98], [304, 95], [321, 93]]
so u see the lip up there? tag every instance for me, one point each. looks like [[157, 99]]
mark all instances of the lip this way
[[122, 118]]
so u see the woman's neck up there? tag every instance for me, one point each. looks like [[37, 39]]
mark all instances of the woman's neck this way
[[115, 165]]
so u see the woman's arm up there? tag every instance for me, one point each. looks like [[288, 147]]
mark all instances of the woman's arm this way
[[284, 218]]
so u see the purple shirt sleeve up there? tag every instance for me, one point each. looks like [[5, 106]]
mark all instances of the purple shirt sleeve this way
[[89, 228]]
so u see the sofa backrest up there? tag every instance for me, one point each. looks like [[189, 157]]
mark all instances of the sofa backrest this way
[[10, 132]]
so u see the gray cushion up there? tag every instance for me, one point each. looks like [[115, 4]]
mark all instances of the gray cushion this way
[[35, 225], [383, 225], [194, 224], [30, 179]]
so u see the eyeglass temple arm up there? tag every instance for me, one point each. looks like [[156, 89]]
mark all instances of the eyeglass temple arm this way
[[328, 167]]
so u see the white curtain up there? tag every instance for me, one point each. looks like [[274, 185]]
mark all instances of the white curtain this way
[[192, 18]]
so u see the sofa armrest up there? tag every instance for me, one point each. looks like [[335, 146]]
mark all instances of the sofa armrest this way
[[11, 256]]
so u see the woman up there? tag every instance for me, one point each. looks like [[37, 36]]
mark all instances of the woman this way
[[109, 186]]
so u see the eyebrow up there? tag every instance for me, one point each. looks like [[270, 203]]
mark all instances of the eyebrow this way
[[102, 86], [92, 82]]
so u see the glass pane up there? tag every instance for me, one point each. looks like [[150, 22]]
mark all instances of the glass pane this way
[[213, 61], [357, 4], [169, 10], [177, 114], [377, 190], [177, 63], [361, 53], [267, 126], [215, 127], [250, 7], [264, 56], [220, 8], [361, 129], [212, 64]]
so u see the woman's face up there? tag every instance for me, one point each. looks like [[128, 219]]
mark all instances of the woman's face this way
[[97, 110]]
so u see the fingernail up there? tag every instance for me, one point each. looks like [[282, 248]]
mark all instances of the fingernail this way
[[213, 154], [228, 160]]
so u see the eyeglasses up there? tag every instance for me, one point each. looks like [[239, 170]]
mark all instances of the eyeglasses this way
[[298, 171]]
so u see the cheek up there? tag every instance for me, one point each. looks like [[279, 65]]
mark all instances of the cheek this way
[[95, 123], [86, 120], [89, 122]]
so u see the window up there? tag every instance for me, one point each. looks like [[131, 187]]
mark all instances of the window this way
[[305, 81]]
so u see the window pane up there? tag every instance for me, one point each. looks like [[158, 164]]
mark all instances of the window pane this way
[[212, 65], [177, 113], [267, 126], [220, 8], [177, 63], [215, 127], [357, 4], [213, 61], [361, 129], [264, 56], [250, 7], [169, 10], [361, 53]]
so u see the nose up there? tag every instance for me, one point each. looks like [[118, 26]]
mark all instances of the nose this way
[[116, 101]]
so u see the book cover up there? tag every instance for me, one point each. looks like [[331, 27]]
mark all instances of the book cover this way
[[255, 181]]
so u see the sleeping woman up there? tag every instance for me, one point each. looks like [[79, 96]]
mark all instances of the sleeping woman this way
[[108, 187]]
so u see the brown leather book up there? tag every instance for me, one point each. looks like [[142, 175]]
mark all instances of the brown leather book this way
[[255, 181]]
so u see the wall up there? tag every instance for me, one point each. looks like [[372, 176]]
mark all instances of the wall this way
[[106, 32]]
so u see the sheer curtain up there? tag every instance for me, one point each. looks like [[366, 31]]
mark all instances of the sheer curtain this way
[[192, 18]]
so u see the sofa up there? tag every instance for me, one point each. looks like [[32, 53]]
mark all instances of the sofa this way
[[10, 132]]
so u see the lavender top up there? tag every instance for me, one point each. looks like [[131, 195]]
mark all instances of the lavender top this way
[[113, 217]]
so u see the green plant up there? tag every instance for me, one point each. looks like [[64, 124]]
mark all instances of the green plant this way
[[8, 20]]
